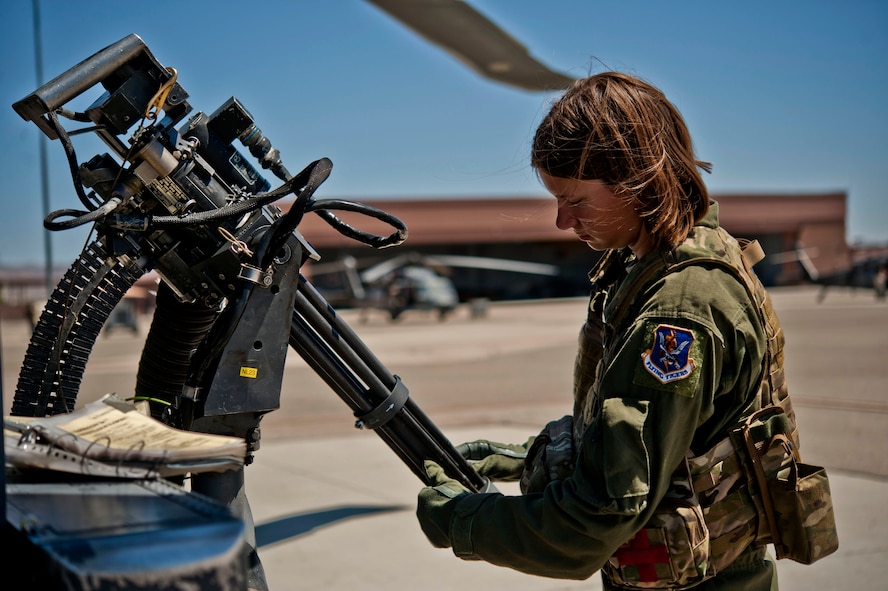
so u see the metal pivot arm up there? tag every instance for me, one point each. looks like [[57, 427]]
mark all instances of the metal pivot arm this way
[[379, 399]]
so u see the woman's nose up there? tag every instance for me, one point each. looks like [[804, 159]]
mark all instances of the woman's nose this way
[[563, 218]]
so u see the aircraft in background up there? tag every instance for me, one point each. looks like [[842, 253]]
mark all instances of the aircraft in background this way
[[409, 281], [870, 272]]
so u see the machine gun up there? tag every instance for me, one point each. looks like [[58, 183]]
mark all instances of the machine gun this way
[[184, 202]]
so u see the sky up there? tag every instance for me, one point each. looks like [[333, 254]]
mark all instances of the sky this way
[[780, 96]]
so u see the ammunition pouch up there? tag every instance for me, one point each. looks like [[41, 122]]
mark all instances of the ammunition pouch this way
[[793, 499]]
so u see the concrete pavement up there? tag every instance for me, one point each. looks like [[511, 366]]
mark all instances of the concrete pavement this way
[[338, 513]]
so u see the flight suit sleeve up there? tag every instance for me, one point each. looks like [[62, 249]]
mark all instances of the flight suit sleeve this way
[[624, 463]]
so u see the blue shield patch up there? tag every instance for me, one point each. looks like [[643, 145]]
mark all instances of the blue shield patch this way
[[667, 359]]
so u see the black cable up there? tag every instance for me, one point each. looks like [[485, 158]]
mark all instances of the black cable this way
[[72, 160], [237, 209], [322, 208], [260, 147], [73, 115], [79, 217]]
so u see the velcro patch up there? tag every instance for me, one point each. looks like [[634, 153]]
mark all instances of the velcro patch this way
[[668, 359]]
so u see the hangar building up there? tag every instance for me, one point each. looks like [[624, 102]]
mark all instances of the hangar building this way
[[524, 228]]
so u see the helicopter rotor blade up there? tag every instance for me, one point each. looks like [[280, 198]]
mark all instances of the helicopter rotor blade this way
[[493, 264], [476, 41], [378, 271]]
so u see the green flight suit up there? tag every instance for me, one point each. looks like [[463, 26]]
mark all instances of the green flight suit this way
[[683, 366]]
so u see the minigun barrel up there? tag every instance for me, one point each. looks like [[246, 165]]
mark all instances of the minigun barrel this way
[[343, 361]]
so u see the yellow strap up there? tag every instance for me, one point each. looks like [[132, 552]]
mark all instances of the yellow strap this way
[[751, 251], [156, 104]]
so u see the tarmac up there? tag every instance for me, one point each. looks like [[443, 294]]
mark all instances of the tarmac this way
[[335, 508]]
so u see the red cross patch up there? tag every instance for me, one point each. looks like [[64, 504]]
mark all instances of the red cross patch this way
[[640, 553]]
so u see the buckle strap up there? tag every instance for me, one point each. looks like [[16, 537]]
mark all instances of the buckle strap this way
[[387, 409]]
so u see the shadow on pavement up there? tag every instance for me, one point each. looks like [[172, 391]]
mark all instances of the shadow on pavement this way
[[287, 528]]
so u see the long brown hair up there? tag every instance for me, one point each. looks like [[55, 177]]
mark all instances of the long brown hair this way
[[620, 130]]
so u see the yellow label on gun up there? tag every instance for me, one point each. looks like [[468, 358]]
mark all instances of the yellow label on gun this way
[[249, 372]]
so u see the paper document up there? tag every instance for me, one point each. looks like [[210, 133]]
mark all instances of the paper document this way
[[112, 435]]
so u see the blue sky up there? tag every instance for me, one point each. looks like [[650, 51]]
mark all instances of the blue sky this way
[[781, 96]]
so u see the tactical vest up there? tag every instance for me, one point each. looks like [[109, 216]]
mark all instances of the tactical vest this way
[[735, 257], [714, 509]]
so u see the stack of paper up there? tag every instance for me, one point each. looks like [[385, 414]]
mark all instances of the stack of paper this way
[[111, 437]]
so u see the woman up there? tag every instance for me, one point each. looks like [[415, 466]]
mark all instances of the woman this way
[[673, 356]]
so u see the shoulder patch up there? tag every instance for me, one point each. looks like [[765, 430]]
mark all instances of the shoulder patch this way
[[668, 359]]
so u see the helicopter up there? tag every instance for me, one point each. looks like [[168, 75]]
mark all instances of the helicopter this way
[[411, 281], [866, 272]]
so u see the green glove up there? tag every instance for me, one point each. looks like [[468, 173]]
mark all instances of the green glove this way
[[552, 456], [437, 503], [497, 461]]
